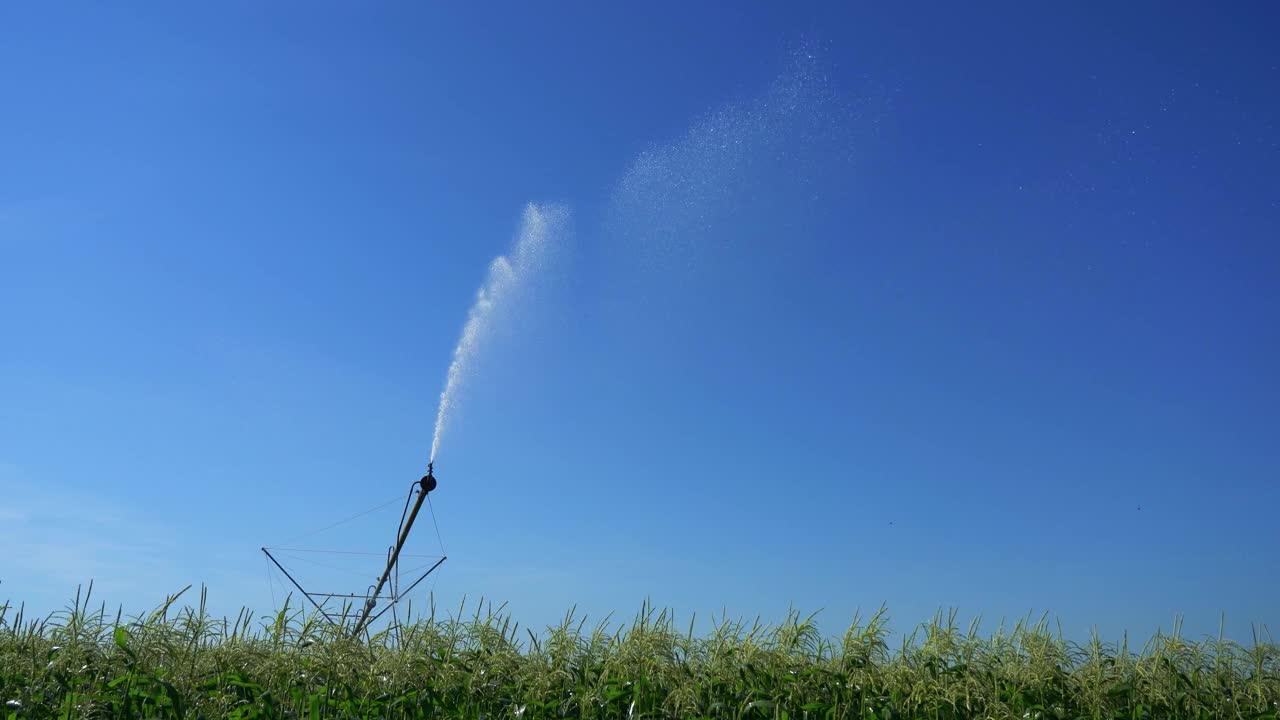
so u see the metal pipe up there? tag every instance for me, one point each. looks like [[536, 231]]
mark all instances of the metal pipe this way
[[426, 485]]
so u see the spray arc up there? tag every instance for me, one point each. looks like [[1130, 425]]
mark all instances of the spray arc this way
[[509, 276]]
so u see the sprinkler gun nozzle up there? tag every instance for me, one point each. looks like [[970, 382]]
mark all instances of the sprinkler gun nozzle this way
[[428, 481]]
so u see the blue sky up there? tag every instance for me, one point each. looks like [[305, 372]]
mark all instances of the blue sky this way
[[930, 306]]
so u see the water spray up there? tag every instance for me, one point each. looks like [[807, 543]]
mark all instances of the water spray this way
[[508, 275]]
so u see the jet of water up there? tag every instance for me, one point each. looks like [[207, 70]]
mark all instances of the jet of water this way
[[508, 274]]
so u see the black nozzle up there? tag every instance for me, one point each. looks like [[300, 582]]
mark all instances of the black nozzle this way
[[428, 481]]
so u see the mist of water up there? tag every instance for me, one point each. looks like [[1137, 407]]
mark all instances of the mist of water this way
[[677, 196], [508, 275]]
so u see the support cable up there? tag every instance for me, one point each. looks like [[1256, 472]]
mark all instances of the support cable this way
[[431, 509], [341, 522]]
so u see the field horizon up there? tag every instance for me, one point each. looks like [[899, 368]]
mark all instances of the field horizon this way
[[178, 660]]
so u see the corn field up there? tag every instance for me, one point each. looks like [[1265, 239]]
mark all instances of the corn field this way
[[180, 662]]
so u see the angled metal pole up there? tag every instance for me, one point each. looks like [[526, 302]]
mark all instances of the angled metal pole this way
[[305, 594], [409, 589], [425, 485], [424, 576]]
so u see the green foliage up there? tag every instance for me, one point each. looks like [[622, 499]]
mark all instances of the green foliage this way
[[185, 664]]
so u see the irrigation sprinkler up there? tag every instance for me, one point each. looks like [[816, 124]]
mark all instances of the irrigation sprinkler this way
[[424, 486], [390, 573]]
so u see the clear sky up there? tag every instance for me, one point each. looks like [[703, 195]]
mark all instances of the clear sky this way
[[928, 305]]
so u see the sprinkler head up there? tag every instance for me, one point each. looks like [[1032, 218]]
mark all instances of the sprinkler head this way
[[428, 481]]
